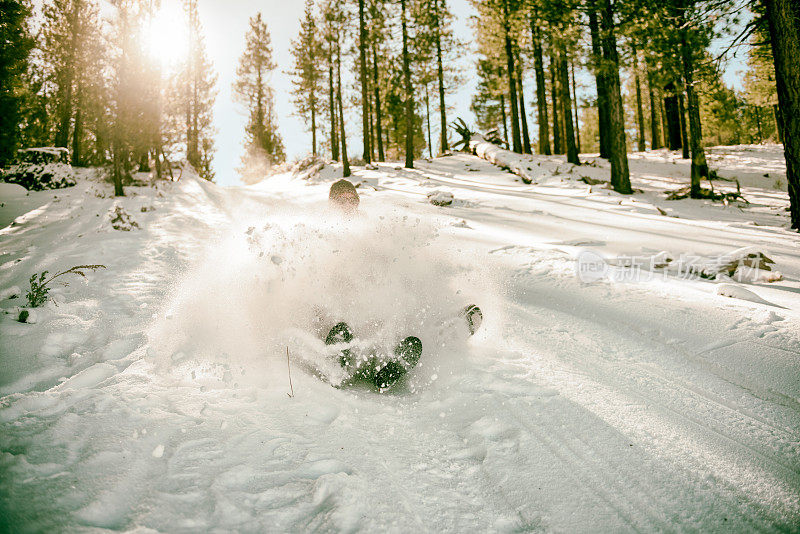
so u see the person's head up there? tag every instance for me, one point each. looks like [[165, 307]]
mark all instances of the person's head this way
[[344, 197]]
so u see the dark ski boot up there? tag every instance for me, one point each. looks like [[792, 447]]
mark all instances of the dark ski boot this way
[[474, 317], [408, 353], [340, 333]]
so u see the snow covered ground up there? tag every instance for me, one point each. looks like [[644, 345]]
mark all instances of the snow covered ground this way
[[155, 394]]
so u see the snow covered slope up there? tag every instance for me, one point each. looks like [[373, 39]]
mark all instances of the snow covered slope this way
[[155, 394]]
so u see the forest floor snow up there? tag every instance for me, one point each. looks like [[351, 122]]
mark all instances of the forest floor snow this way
[[607, 390]]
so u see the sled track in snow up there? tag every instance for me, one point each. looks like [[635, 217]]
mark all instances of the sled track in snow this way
[[691, 391], [633, 389]]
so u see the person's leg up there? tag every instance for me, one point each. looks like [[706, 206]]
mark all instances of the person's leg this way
[[341, 333], [407, 353], [474, 317]]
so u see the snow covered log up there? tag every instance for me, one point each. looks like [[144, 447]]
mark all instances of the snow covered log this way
[[501, 157]]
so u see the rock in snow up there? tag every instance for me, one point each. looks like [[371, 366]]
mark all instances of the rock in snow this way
[[440, 198]]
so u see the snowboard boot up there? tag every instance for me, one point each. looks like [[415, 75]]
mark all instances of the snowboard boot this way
[[409, 350], [408, 353], [474, 317], [340, 333]]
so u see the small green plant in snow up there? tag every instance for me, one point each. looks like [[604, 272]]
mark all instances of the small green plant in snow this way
[[37, 295]]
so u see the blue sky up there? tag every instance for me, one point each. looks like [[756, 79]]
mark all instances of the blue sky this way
[[225, 24]]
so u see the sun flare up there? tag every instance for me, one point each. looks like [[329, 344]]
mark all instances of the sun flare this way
[[167, 34]]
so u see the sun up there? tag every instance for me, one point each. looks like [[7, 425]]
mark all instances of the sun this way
[[166, 34]]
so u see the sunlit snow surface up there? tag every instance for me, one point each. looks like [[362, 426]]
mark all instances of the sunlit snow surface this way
[[154, 395]]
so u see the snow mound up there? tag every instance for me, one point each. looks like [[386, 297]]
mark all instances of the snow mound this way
[[738, 292], [38, 177]]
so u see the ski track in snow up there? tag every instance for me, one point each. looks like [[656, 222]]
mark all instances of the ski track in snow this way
[[154, 394]]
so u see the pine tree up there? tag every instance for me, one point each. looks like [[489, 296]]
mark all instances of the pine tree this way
[[409, 90], [195, 84], [654, 103], [307, 76], [541, 89], [377, 39], [486, 102], [14, 52], [683, 10], [617, 149], [432, 47], [330, 38], [783, 17], [74, 57], [526, 141], [600, 73], [335, 19], [509, 9], [362, 53], [639, 110], [760, 90], [126, 92], [263, 143], [439, 22]]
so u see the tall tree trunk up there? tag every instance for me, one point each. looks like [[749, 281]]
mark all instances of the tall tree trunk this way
[[157, 162], [440, 75], [77, 132], [575, 104], [699, 168], [377, 89], [512, 86], [526, 140], [195, 148], [600, 80], [396, 132], [784, 30], [757, 110], [639, 112], [554, 92], [541, 90], [332, 104], [503, 114], [778, 122], [371, 127], [618, 153], [684, 133], [64, 113], [342, 133], [662, 111], [566, 103], [409, 93], [362, 54], [117, 163], [67, 78], [672, 116], [313, 127], [428, 119], [655, 132]]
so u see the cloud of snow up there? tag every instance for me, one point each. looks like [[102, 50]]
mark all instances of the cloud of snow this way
[[287, 280]]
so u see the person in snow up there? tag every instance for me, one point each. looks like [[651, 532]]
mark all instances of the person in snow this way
[[382, 371], [344, 197]]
